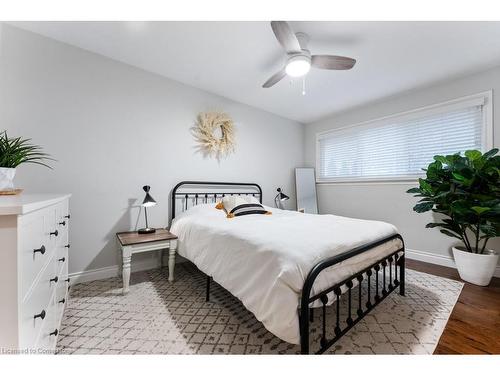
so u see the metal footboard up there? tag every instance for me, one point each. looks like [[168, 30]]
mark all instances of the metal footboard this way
[[384, 272]]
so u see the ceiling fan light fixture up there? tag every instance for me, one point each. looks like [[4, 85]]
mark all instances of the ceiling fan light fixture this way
[[298, 66], [300, 60]]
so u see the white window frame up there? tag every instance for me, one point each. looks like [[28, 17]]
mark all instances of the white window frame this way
[[487, 133]]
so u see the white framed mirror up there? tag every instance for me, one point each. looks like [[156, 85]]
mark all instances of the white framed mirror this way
[[305, 187]]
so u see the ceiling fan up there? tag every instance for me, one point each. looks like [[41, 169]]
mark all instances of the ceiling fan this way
[[299, 58]]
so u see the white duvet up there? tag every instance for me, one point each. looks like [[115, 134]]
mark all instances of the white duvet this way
[[264, 259]]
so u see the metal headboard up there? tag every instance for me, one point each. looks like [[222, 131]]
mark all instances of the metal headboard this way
[[200, 195]]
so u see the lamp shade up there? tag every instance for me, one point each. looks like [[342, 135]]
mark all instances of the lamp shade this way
[[282, 196], [148, 199]]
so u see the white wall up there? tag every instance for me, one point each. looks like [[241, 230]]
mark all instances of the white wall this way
[[389, 202], [114, 128]]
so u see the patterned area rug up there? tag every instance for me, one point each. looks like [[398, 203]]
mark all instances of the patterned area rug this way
[[158, 317]]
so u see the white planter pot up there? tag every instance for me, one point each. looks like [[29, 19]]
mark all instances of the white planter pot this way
[[7, 178], [476, 268]]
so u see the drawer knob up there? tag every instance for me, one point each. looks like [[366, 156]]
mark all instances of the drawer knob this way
[[63, 259], [54, 333], [63, 223], [41, 250], [63, 300], [68, 216], [55, 279], [67, 280], [66, 246], [41, 315], [54, 233]]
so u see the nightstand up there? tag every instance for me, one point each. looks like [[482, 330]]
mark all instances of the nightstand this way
[[134, 243]]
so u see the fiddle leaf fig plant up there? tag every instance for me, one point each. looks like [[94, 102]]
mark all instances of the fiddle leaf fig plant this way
[[16, 151], [466, 191]]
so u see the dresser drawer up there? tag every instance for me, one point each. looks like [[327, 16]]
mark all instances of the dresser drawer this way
[[62, 261], [62, 214], [62, 285], [60, 300], [38, 303], [47, 338], [62, 225], [51, 227], [36, 247]]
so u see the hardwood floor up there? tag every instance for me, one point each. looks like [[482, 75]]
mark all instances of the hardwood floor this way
[[474, 324]]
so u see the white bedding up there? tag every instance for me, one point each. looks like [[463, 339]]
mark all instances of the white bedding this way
[[264, 259]]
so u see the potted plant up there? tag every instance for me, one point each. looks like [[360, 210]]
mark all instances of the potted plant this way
[[465, 190], [14, 152]]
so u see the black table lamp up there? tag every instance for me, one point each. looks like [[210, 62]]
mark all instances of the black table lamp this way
[[147, 202], [280, 197]]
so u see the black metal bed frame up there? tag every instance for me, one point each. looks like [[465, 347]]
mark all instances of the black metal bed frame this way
[[377, 271]]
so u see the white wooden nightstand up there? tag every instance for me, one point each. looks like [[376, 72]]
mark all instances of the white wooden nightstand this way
[[134, 243]]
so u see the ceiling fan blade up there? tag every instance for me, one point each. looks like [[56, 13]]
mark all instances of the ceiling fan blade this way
[[274, 79], [332, 62], [285, 36]]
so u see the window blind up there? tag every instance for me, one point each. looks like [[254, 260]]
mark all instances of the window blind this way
[[399, 147]]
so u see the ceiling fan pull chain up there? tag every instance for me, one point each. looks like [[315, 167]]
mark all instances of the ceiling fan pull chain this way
[[304, 86]]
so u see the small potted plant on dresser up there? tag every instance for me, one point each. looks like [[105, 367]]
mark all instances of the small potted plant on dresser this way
[[466, 191], [14, 152]]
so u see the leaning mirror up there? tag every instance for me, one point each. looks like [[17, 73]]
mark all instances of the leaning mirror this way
[[305, 185]]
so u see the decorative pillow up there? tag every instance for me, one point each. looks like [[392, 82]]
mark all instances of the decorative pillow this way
[[250, 199], [229, 202], [248, 209]]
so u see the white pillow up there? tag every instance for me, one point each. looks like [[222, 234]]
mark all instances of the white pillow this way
[[250, 199], [231, 201]]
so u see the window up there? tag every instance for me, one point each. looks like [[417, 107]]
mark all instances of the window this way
[[399, 146]]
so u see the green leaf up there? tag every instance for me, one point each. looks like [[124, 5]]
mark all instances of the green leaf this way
[[423, 207], [473, 154], [434, 170], [460, 207], [413, 191], [452, 159], [458, 176], [441, 159], [488, 230], [425, 186], [451, 234], [16, 151], [490, 153], [479, 210], [433, 225]]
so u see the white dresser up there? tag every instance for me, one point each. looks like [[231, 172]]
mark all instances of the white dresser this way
[[33, 271]]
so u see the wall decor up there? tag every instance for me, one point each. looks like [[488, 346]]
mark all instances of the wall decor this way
[[214, 132]]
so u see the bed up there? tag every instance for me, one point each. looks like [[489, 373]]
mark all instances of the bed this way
[[286, 265]]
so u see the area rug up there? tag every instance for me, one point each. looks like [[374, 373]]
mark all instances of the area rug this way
[[158, 317]]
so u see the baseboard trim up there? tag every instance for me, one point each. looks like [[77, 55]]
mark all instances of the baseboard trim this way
[[114, 271], [441, 260], [147, 264], [91, 275]]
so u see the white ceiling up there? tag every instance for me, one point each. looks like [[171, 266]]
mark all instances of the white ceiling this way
[[233, 59]]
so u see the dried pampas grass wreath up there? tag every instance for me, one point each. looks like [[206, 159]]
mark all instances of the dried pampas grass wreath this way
[[214, 132]]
